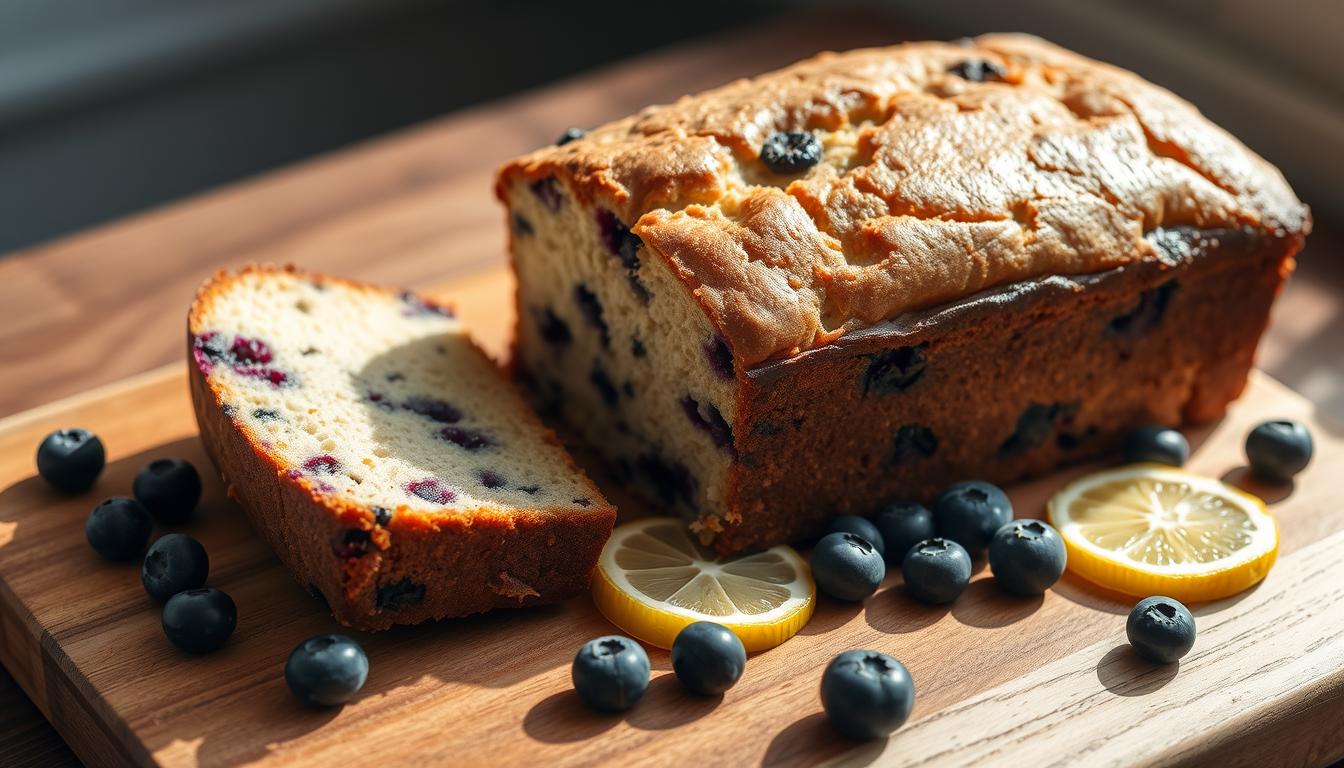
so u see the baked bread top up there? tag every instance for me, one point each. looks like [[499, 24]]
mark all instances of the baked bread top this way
[[945, 169]]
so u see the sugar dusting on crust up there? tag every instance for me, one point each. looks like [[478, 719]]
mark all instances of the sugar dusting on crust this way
[[931, 186]]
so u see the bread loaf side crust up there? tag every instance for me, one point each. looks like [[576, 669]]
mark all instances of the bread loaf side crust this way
[[421, 566]]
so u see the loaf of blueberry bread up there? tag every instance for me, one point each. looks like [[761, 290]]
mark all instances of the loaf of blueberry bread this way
[[873, 273], [390, 465]]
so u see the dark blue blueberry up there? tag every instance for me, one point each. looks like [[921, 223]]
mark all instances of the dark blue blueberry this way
[[847, 566], [169, 489], [1160, 629], [118, 528], [470, 439], [548, 191], [266, 414], [977, 70], [637, 347], [521, 226], [624, 245], [707, 418], [530, 489], [1035, 425], [382, 516], [912, 443], [174, 563], [720, 359], [903, 524], [1277, 450], [353, 543], [570, 134], [1027, 557], [1158, 444], [71, 459], [433, 408], [936, 571], [553, 329], [1146, 315], [708, 658], [199, 620], [610, 673], [591, 308], [895, 370], [859, 526], [327, 670], [491, 479], [866, 694], [398, 595], [970, 512], [790, 151]]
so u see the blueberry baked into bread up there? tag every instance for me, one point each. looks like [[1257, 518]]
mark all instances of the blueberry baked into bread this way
[[874, 273], [386, 460]]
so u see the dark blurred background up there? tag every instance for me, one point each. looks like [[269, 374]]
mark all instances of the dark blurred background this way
[[111, 106]]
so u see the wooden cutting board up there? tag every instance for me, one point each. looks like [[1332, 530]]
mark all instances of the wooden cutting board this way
[[999, 680]]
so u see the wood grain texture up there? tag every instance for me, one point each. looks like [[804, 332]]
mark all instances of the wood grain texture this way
[[82, 637]]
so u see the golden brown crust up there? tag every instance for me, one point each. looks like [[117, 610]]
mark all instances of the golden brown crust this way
[[465, 562], [931, 188]]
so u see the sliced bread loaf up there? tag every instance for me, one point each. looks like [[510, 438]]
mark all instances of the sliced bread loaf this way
[[386, 460]]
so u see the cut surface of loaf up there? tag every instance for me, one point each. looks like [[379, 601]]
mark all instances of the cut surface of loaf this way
[[385, 458], [873, 273]]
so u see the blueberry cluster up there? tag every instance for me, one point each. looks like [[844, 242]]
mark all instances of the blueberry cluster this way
[[611, 673], [934, 548]]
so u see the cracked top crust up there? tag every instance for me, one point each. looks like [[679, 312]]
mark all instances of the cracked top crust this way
[[931, 186]]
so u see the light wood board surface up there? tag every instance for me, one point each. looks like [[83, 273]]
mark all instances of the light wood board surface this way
[[998, 679]]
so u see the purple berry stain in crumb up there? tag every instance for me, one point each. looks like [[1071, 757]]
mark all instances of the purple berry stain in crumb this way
[[709, 420], [521, 226], [584, 501], [912, 443], [554, 330], [895, 370], [491, 479], [624, 245], [431, 490], [470, 439], [252, 351], [591, 308], [548, 191], [637, 347], [353, 543], [1036, 424], [209, 350], [325, 464], [246, 356], [433, 409], [603, 384], [419, 305], [720, 359], [529, 489]]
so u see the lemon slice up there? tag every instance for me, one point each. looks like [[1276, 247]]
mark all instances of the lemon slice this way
[[1148, 529], [653, 579]]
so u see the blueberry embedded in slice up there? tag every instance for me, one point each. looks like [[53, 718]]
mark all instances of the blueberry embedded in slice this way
[[1035, 425], [275, 377], [548, 191], [419, 306], [491, 479], [199, 620], [531, 490], [71, 459], [671, 480], [610, 673], [251, 351], [325, 464], [624, 245], [708, 658], [469, 439], [174, 563], [637, 348], [118, 528], [521, 226], [791, 151], [591, 309], [431, 490], [847, 566], [720, 359], [895, 370], [1146, 315], [866, 694], [912, 443], [266, 414], [169, 489], [399, 595], [601, 382], [1278, 450], [1027, 557], [354, 543], [209, 349], [554, 330], [1160, 629], [936, 571], [978, 70], [583, 501], [707, 418], [433, 408], [326, 670], [381, 516]]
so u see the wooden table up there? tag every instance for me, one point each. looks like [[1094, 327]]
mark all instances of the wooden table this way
[[414, 208]]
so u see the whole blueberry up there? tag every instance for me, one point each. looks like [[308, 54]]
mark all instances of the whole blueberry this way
[[611, 673], [708, 658], [936, 571], [903, 525], [326, 670], [118, 528], [970, 512], [791, 152], [1160, 629], [169, 489], [71, 459], [1156, 443], [1027, 557], [199, 620], [174, 563], [860, 526], [1277, 450], [866, 694], [847, 567]]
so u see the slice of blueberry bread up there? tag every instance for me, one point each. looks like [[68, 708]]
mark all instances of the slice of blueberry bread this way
[[385, 458]]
